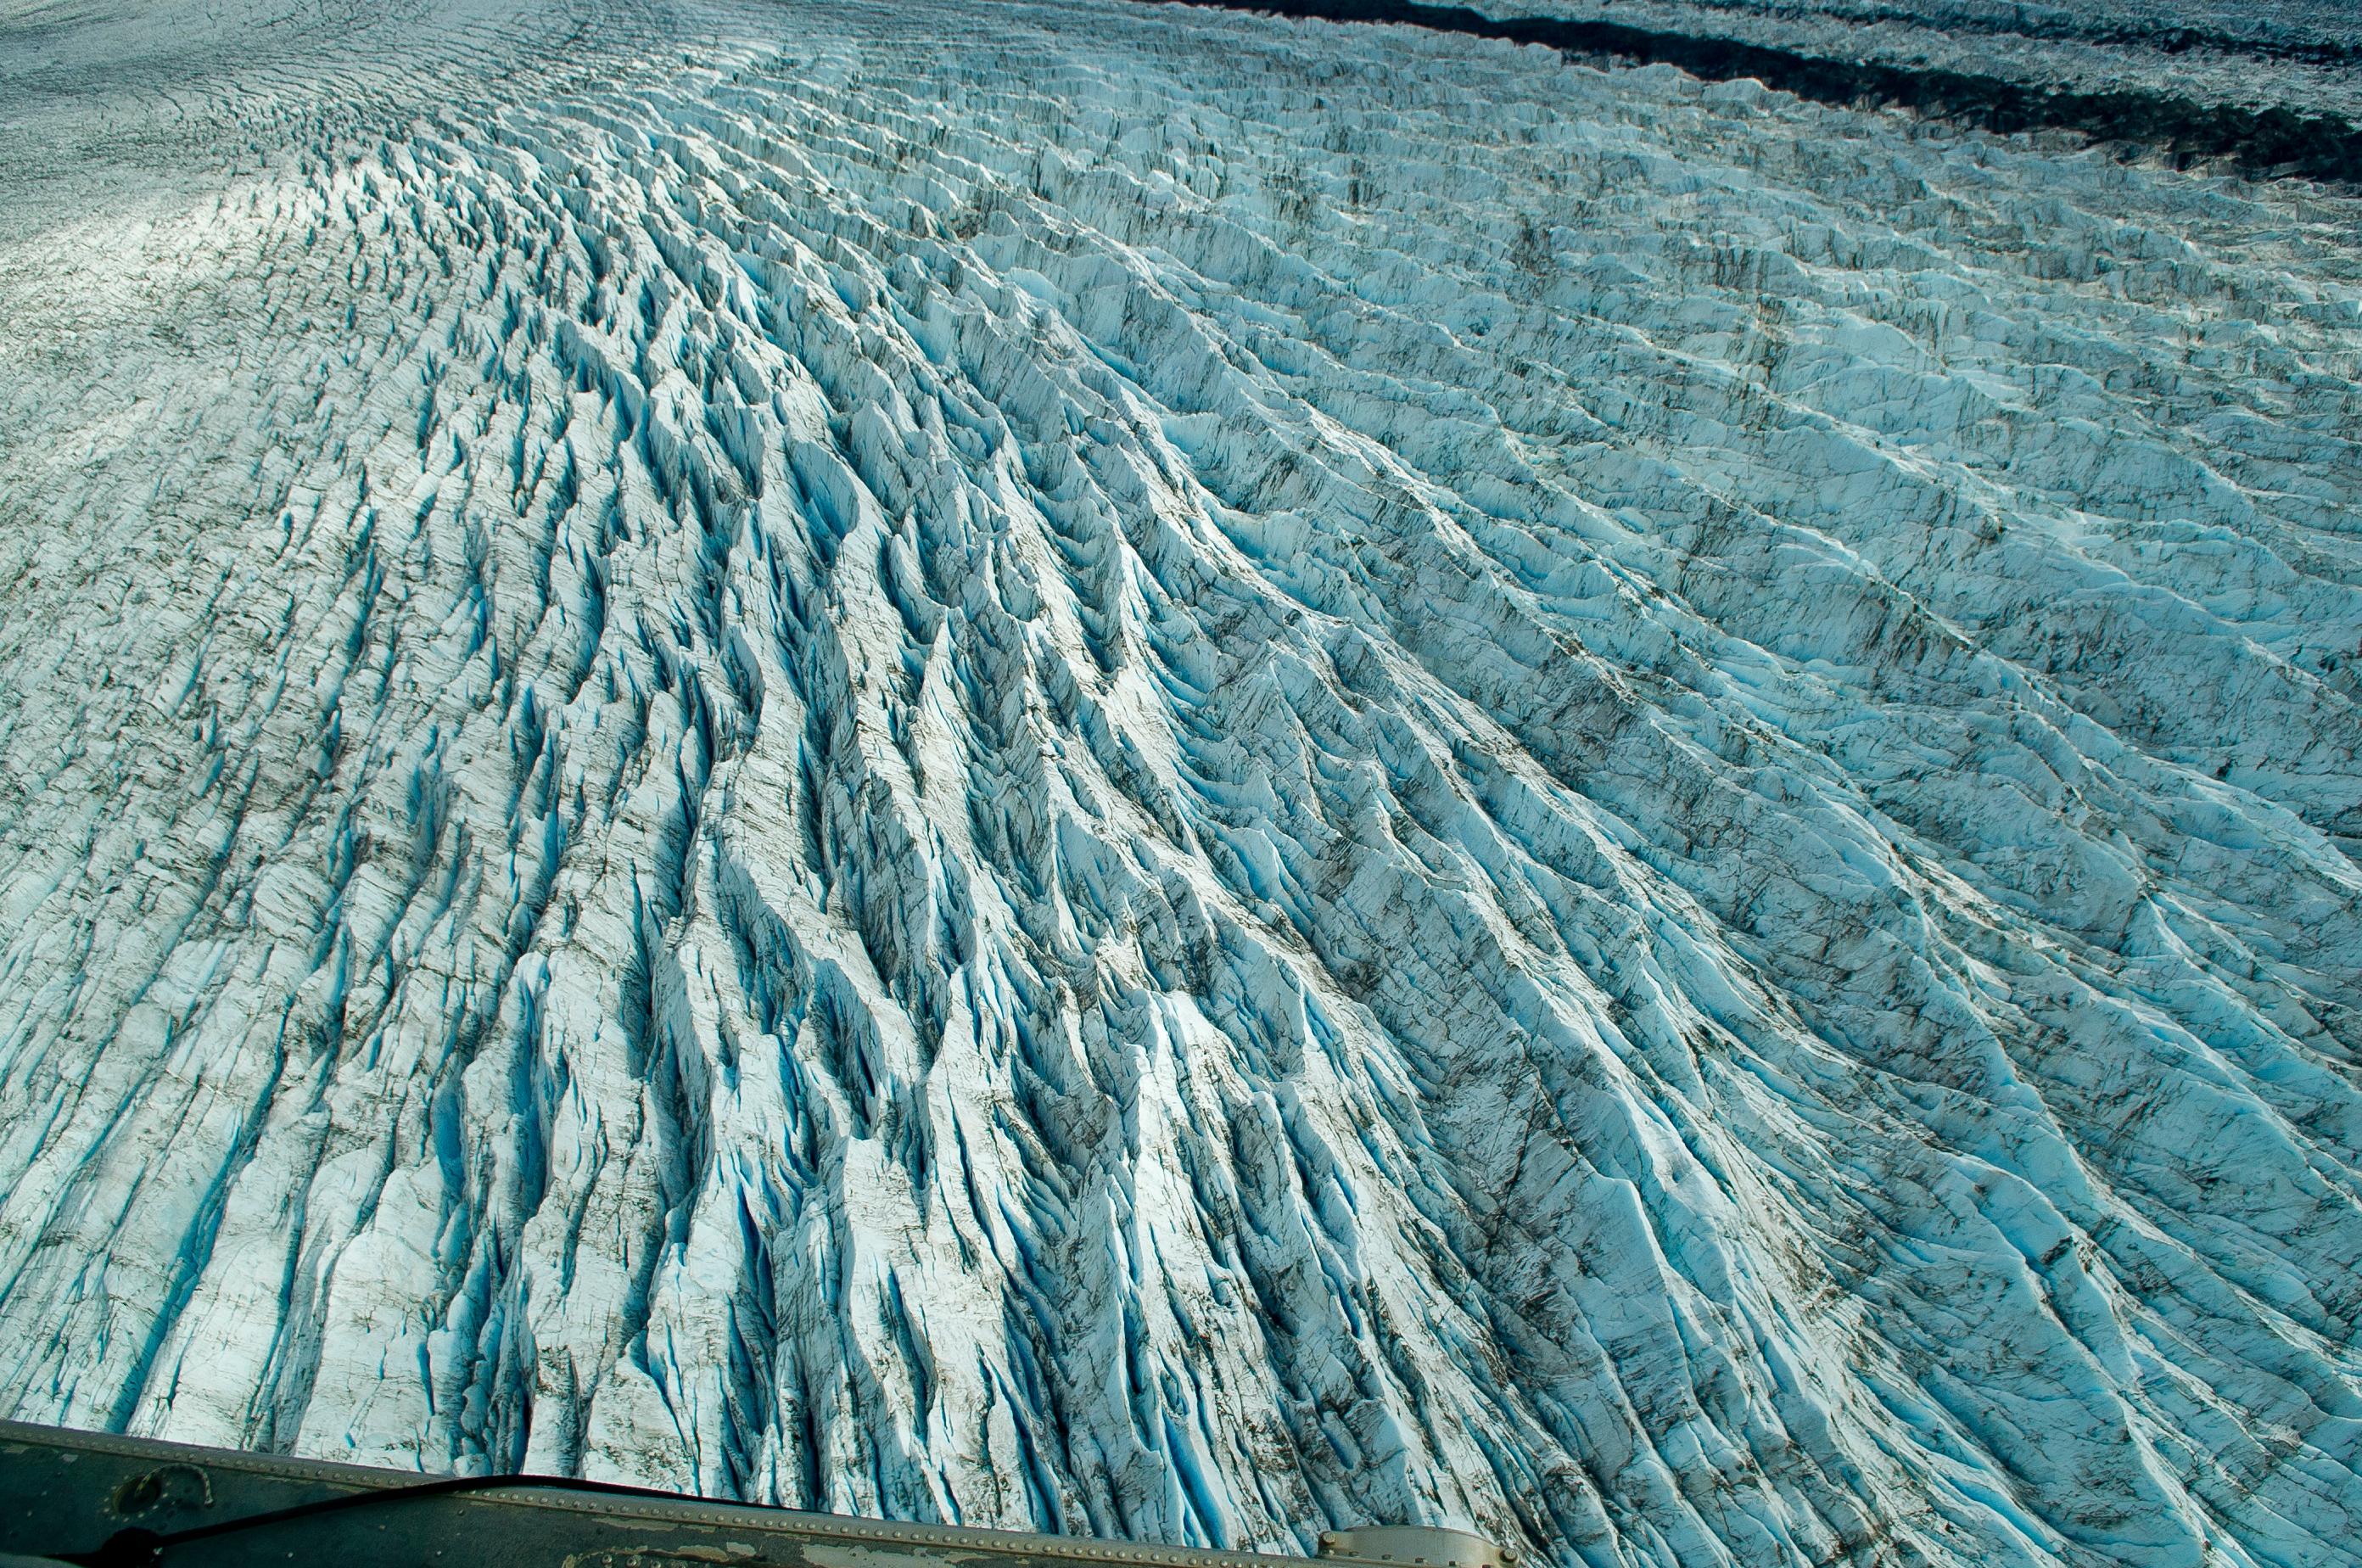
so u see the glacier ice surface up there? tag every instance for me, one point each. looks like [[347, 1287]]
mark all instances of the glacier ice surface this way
[[1170, 774], [2298, 57]]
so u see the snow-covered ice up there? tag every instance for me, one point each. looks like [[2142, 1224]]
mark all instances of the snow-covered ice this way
[[1157, 772]]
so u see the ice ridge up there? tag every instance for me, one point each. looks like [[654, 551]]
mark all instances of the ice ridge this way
[[2264, 106], [1161, 773]]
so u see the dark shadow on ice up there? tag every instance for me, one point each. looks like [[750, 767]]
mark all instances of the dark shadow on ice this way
[[2262, 142]]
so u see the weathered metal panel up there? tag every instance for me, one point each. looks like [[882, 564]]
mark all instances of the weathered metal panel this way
[[69, 1494]]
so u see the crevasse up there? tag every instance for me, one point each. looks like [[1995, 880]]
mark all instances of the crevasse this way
[[1159, 773]]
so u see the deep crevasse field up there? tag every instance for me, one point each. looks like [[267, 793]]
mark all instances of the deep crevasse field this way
[[1172, 775]]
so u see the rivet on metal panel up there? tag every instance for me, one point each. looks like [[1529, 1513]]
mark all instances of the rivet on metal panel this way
[[1414, 1546]]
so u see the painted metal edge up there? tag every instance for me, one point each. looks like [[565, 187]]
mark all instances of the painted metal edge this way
[[688, 1510]]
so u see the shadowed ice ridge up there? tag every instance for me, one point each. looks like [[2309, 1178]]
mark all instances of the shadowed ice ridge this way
[[1176, 776], [2222, 60]]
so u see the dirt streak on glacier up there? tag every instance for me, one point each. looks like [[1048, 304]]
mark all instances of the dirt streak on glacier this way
[[1184, 777]]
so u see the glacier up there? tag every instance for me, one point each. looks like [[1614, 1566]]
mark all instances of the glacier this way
[[1128, 770], [2297, 57]]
